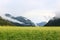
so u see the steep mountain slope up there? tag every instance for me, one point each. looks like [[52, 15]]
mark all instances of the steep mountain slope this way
[[4, 22], [54, 22], [20, 20]]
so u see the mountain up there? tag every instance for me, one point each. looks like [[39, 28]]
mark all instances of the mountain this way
[[41, 24], [54, 22], [4, 22], [21, 21]]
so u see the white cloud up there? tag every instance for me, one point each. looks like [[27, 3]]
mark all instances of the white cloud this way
[[39, 15], [36, 10], [3, 3], [58, 5]]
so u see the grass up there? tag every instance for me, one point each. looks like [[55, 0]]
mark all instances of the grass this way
[[29, 33]]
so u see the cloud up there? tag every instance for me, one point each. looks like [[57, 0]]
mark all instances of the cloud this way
[[3, 3], [57, 7], [39, 15], [30, 8], [20, 6]]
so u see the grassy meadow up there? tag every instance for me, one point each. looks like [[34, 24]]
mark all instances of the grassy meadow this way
[[29, 33]]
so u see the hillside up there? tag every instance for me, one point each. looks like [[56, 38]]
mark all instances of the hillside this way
[[4, 22], [20, 21], [54, 22]]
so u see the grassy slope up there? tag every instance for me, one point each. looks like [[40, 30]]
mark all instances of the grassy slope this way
[[29, 33]]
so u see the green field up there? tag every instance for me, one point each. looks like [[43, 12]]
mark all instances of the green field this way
[[29, 33]]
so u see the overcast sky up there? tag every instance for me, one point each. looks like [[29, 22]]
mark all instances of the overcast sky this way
[[35, 10]]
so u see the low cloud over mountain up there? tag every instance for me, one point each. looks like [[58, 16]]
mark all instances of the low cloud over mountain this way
[[55, 21], [20, 20]]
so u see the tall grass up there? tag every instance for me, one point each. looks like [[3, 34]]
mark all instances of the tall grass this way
[[29, 33]]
